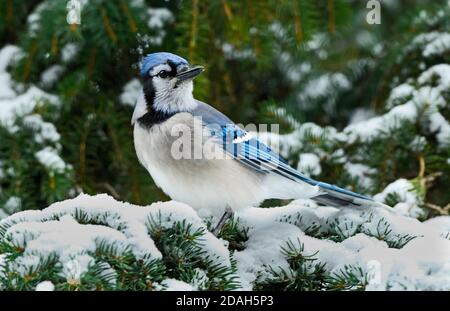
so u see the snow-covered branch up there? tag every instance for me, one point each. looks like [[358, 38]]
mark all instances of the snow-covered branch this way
[[91, 241]]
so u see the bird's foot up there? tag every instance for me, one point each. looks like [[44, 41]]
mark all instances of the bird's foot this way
[[223, 220]]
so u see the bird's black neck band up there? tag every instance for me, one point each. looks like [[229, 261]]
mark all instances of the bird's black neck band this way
[[152, 116]]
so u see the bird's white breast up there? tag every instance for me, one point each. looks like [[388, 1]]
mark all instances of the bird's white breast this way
[[207, 184]]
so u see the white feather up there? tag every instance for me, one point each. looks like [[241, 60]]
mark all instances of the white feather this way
[[140, 109], [169, 99], [155, 70]]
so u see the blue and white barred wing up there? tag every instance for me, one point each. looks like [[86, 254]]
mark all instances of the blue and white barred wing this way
[[241, 146], [255, 154]]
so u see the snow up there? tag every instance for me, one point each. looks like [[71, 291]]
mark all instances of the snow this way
[[361, 172], [358, 249], [263, 248], [437, 46], [439, 77], [418, 144], [8, 55], [295, 72], [69, 51], [409, 199], [309, 163], [200, 280], [286, 143], [441, 72], [2, 172], [403, 188], [35, 17], [361, 114], [416, 102], [158, 17], [49, 157], [277, 29], [64, 238], [421, 99], [43, 131], [317, 41], [231, 52], [440, 223], [12, 205], [131, 92], [23, 105], [432, 43], [51, 75], [126, 227], [441, 127], [45, 286], [323, 86], [399, 92], [11, 104], [176, 285], [422, 264]]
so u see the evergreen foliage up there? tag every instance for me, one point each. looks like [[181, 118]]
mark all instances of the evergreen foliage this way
[[97, 243]]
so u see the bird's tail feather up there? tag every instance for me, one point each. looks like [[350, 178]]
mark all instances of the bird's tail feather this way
[[339, 197]]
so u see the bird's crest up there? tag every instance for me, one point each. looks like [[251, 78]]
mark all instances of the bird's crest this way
[[154, 59]]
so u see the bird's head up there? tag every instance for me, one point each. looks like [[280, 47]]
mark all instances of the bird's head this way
[[167, 80]]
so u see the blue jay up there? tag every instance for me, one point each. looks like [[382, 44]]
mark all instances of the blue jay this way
[[248, 171]]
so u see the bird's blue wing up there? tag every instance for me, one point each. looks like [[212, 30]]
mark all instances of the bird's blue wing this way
[[256, 155], [250, 151]]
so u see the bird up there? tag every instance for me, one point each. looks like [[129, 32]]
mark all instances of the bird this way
[[200, 157]]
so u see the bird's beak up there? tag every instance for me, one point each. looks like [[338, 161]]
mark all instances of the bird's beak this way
[[189, 74]]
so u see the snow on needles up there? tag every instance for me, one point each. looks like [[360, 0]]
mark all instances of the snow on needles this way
[[309, 163], [409, 266], [410, 103], [421, 262], [418, 102], [125, 227], [409, 199], [158, 17], [50, 159], [131, 92], [433, 43], [15, 106]]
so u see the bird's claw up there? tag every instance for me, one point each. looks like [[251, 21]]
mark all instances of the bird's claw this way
[[223, 220]]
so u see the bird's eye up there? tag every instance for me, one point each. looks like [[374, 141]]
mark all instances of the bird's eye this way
[[162, 74]]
